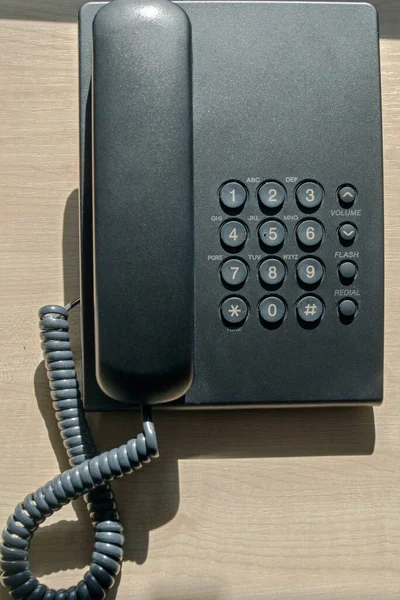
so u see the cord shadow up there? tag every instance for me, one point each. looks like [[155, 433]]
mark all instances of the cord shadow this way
[[67, 11]]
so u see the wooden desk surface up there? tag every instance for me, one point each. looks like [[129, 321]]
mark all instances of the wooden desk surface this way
[[309, 510]]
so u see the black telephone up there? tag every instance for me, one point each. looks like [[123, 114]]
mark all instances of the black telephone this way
[[231, 233]]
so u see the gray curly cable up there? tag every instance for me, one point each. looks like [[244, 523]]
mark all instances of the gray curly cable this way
[[88, 477]]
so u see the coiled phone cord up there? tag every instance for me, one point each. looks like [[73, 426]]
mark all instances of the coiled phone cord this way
[[88, 477]]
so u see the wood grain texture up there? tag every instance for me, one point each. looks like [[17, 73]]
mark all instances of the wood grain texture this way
[[278, 505]]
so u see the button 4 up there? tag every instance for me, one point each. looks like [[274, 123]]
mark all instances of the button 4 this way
[[233, 234]]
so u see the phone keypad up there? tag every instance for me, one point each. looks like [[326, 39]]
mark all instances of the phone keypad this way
[[273, 271]]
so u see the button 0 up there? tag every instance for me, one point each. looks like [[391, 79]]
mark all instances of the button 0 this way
[[310, 271], [272, 233], [309, 194], [234, 310], [347, 194], [272, 272], [310, 233], [347, 270], [234, 271], [272, 310], [272, 195], [347, 233], [347, 309], [233, 234], [233, 194], [310, 309]]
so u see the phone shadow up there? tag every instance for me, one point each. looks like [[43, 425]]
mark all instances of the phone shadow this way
[[153, 501]]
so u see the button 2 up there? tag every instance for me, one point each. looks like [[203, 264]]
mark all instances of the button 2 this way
[[347, 233], [310, 233], [272, 233], [233, 194], [234, 272], [310, 309], [272, 272], [234, 310], [233, 234], [272, 310], [272, 195], [310, 271], [309, 195]]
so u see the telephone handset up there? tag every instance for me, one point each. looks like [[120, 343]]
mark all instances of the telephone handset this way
[[143, 200], [231, 235]]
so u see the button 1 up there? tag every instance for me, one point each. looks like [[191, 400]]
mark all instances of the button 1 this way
[[347, 194], [310, 233], [272, 309], [347, 270], [233, 234], [347, 233], [347, 308], [234, 310], [309, 194], [272, 272], [310, 309], [272, 194], [234, 271], [310, 271], [272, 233], [233, 194]]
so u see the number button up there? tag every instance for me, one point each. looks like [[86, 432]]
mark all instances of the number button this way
[[310, 309], [310, 233], [272, 272], [272, 195], [233, 234], [310, 271], [272, 233], [233, 194], [234, 310], [234, 272], [272, 310], [309, 195]]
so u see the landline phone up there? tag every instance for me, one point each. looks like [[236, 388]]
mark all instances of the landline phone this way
[[231, 234]]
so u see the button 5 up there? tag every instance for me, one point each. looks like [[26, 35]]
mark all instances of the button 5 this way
[[272, 233]]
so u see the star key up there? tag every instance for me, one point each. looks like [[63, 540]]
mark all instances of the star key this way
[[234, 310]]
